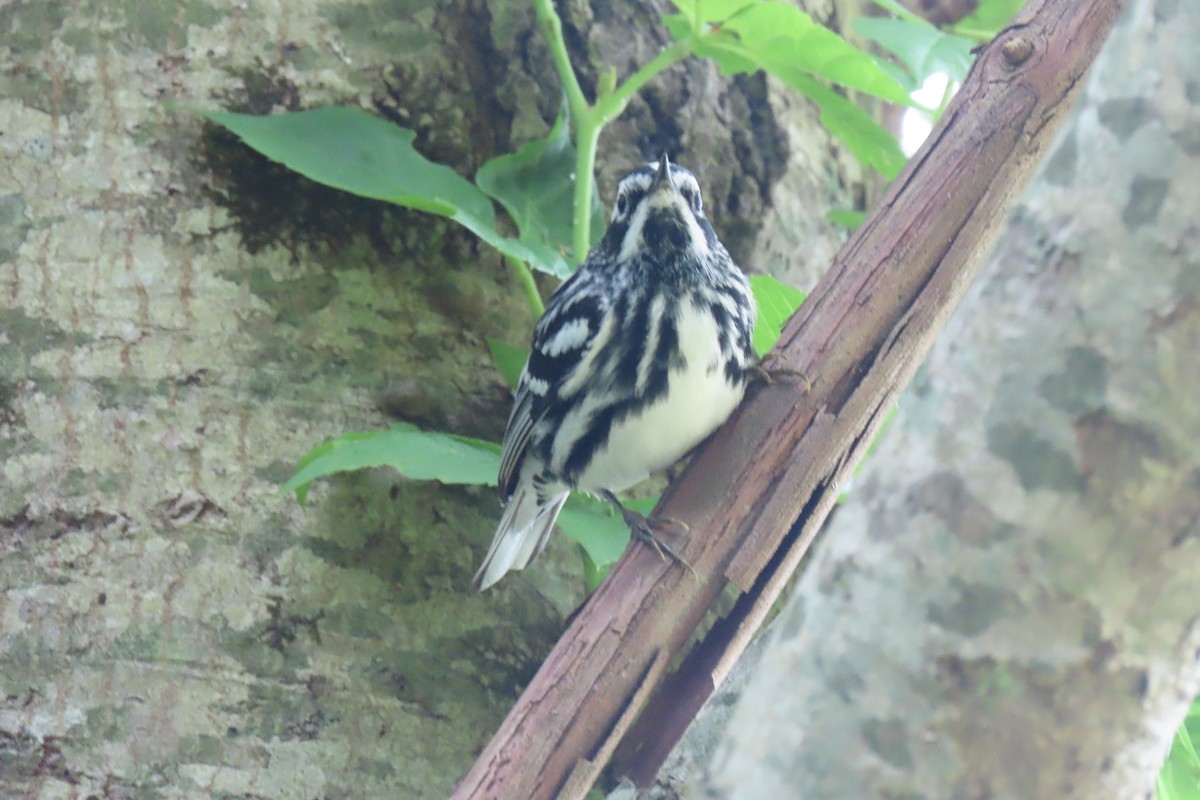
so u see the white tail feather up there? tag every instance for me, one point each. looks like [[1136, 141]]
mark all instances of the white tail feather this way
[[520, 538]]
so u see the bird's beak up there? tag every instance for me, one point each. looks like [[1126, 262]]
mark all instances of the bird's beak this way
[[662, 178]]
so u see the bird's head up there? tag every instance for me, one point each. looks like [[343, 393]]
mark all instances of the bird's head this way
[[659, 213]]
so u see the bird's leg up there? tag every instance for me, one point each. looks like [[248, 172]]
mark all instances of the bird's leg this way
[[768, 374], [642, 529]]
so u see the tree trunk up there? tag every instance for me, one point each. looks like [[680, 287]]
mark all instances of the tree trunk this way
[[1006, 605], [180, 321]]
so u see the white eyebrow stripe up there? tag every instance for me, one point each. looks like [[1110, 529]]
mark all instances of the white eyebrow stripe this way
[[635, 181], [699, 240], [633, 234]]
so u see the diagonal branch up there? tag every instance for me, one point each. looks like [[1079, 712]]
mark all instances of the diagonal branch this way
[[755, 495]]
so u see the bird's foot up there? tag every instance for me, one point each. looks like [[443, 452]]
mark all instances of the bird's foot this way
[[765, 372], [646, 530]]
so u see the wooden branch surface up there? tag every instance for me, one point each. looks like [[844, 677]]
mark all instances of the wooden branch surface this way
[[757, 492]]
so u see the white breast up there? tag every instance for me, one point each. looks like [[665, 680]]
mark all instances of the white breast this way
[[698, 399]]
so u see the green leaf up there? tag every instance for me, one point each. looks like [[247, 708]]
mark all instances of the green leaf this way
[[536, 185], [509, 360], [597, 528], [593, 574], [921, 47], [351, 150], [786, 42], [846, 218], [592, 524], [1183, 740], [776, 303], [866, 139], [777, 36], [1179, 778], [782, 35], [414, 453], [1177, 781]]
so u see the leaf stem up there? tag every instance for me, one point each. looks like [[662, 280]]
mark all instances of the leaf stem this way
[[553, 32], [587, 136], [589, 119], [528, 286], [974, 34], [588, 125], [609, 107]]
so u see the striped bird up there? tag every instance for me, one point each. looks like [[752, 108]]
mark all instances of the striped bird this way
[[639, 356]]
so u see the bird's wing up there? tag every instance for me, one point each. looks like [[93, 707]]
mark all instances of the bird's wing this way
[[564, 338]]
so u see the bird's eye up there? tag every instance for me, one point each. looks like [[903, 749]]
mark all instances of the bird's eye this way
[[622, 205], [694, 199]]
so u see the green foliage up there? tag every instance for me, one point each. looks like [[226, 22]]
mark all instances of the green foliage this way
[[354, 151], [509, 360], [601, 533], [863, 137], [349, 149], [536, 188], [776, 304], [922, 48], [1179, 778], [781, 39], [412, 452], [846, 218], [598, 530]]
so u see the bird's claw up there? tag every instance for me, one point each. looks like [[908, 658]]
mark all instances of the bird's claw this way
[[643, 529], [765, 373]]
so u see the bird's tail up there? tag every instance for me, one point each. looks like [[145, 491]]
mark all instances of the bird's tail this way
[[521, 537]]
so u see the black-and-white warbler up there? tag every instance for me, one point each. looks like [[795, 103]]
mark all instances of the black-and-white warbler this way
[[639, 356]]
